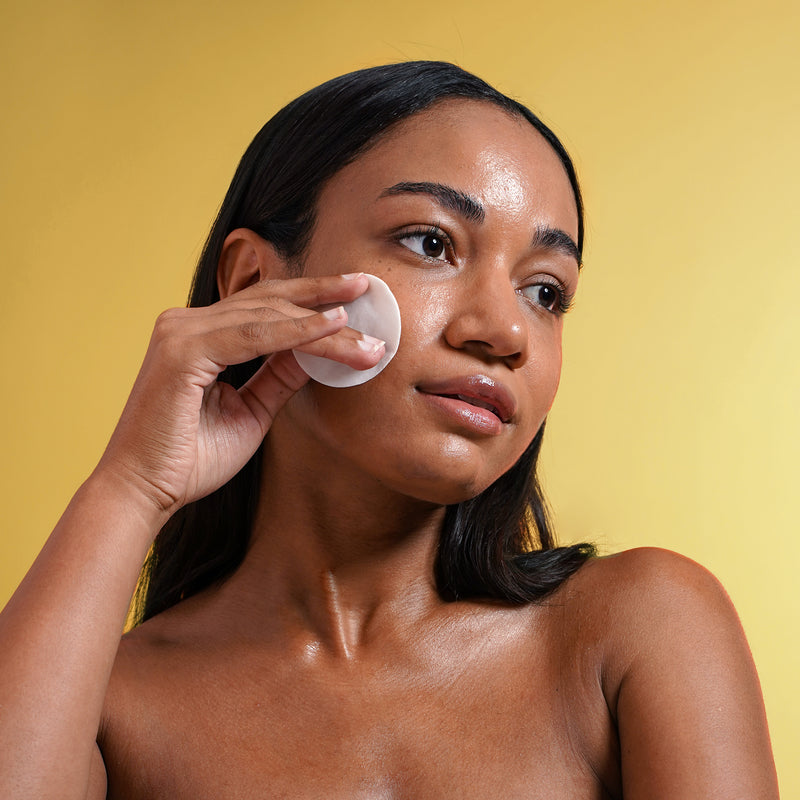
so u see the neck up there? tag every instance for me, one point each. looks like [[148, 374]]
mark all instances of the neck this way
[[335, 556]]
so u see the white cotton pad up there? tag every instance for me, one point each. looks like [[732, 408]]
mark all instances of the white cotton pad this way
[[375, 313]]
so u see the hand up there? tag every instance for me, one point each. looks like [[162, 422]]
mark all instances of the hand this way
[[183, 433]]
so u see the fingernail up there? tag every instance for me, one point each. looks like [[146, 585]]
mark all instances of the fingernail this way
[[370, 344], [334, 313], [351, 276]]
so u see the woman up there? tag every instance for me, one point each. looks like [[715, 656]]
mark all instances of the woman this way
[[355, 592]]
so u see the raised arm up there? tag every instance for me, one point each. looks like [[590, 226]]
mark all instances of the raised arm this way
[[683, 686], [181, 435]]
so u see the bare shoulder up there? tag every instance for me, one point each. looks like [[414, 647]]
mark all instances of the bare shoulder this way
[[654, 607], [149, 660], [653, 573], [629, 593], [643, 603], [155, 657], [145, 717], [676, 669]]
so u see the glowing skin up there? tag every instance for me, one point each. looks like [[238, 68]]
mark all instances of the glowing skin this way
[[466, 213], [327, 665]]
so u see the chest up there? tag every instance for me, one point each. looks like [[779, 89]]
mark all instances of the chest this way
[[242, 728]]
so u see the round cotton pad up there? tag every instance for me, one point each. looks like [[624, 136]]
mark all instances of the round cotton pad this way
[[375, 313]]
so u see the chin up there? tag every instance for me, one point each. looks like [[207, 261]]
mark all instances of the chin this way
[[452, 477]]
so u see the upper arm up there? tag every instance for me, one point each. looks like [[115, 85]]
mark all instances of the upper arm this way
[[688, 703]]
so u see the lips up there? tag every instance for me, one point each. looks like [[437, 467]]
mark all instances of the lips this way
[[479, 391]]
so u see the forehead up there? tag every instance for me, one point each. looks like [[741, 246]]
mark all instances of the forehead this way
[[496, 157]]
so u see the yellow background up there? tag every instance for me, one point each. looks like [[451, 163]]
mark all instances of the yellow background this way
[[677, 421]]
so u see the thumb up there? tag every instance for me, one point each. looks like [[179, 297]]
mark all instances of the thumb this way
[[277, 379]]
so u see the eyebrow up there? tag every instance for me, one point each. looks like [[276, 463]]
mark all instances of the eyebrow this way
[[545, 237], [468, 207]]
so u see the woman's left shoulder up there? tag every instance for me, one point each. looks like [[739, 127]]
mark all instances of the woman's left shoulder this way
[[675, 668], [651, 600], [647, 580]]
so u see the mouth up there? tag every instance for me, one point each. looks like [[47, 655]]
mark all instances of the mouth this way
[[477, 402], [476, 391]]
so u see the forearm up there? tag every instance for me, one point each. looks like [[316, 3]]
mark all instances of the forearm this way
[[181, 435], [59, 635]]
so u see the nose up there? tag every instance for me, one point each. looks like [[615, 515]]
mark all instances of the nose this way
[[488, 319]]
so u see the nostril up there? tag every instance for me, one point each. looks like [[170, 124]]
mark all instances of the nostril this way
[[487, 316]]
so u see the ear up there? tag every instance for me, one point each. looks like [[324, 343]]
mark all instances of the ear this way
[[246, 259]]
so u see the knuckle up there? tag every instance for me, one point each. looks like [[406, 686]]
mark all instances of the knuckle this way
[[267, 307], [273, 307], [304, 325], [316, 285], [261, 314], [169, 339], [172, 321], [251, 331], [266, 283], [166, 320], [321, 288]]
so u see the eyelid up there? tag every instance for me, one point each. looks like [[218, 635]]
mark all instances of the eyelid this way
[[428, 229], [565, 297]]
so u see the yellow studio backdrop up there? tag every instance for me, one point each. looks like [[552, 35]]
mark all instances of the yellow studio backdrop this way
[[677, 420]]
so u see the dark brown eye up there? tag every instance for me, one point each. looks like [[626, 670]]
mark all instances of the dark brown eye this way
[[429, 244], [433, 246], [544, 295], [547, 296]]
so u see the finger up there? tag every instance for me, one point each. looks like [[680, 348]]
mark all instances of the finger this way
[[254, 334], [268, 390], [203, 347], [269, 299], [245, 333], [348, 346], [351, 347], [322, 334], [308, 292]]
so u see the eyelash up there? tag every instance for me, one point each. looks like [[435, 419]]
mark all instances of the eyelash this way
[[561, 305], [424, 232]]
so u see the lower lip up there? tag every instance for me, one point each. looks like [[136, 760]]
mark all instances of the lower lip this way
[[479, 420]]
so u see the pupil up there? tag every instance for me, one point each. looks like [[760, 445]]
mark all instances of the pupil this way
[[547, 296], [432, 245]]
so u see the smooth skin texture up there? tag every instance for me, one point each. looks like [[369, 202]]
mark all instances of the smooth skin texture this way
[[327, 665]]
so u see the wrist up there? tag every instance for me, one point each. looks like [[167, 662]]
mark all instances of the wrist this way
[[125, 494]]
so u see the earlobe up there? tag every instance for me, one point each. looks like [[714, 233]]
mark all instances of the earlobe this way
[[246, 259]]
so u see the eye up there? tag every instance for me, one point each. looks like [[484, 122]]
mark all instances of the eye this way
[[429, 243], [549, 296]]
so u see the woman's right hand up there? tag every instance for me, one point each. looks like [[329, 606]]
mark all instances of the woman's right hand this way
[[183, 433]]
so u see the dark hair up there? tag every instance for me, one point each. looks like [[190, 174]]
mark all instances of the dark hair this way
[[498, 544]]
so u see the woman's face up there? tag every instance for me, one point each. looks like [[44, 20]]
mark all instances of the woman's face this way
[[468, 215]]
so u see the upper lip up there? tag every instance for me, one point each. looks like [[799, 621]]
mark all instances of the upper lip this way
[[479, 390]]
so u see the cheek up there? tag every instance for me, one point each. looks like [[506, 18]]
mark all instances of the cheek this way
[[544, 373], [555, 372], [424, 309]]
